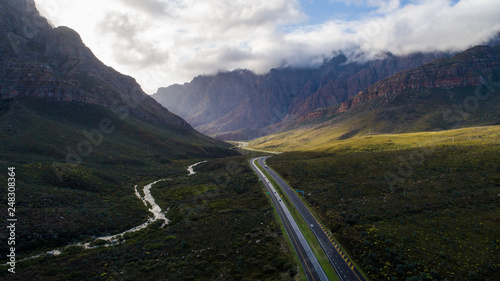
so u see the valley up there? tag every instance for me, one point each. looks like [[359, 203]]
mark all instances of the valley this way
[[220, 224], [357, 165]]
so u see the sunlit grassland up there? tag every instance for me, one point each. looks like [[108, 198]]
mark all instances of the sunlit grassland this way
[[407, 111], [327, 139]]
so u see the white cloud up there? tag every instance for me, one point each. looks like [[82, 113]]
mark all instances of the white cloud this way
[[383, 6], [161, 42]]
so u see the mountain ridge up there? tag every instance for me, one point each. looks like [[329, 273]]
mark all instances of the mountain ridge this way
[[443, 73], [80, 135], [54, 63], [240, 104]]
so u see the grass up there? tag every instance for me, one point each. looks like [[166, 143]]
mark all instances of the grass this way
[[67, 202], [306, 231], [423, 207], [346, 252]]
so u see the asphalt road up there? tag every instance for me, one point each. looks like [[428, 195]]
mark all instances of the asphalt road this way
[[344, 268], [307, 258]]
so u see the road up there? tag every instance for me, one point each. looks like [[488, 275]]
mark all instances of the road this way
[[244, 145], [307, 258], [344, 268]]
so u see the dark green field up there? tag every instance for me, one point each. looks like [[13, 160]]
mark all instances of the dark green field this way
[[222, 228], [420, 210], [64, 197]]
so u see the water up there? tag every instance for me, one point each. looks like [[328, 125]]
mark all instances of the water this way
[[191, 168]]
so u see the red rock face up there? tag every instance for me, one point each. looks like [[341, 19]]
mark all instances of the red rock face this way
[[355, 78], [460, 71]]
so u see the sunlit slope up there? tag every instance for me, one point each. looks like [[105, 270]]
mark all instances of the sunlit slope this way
[[408, 112], [313, 140]]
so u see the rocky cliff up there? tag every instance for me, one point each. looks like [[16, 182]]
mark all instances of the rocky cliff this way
[[468, 69]]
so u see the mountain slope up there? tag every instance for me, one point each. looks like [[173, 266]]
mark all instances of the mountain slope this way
[[242, 105], [52, 64], [445, 94], [38, 61], [79, 134]]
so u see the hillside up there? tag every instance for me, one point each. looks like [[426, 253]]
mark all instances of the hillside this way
[[449, 93], [241, 105], [79, 134], [405, 174]]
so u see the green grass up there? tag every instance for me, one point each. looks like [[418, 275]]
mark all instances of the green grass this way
[[306, 231], [437, 220], [68, 202], [346, 252]]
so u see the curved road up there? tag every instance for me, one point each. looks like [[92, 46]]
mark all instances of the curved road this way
[[344, 268], [307, 258]]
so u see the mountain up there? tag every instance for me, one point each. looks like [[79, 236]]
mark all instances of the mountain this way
[[242, 105], [54, 64], [80, 134], [39, 63], [449, 93]]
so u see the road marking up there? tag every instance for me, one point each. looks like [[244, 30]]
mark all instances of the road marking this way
[[326, 232], [298, 248], [288, 226]]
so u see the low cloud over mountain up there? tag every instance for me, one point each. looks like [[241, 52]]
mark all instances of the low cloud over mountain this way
[[164, 42]]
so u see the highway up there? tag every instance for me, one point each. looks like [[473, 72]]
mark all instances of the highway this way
[[344, 268], [311, 266]]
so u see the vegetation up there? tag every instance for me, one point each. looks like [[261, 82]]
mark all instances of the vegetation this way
[[408, 207], [73, 185], [283, 230], [222, 228]]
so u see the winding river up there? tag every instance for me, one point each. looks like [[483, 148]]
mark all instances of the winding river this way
[[147, 199]]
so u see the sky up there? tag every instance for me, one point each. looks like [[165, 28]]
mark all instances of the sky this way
[[162, 42]]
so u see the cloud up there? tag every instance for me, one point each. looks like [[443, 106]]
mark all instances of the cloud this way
[[125, 32], [161, 42], [151, 7], [383, 6]]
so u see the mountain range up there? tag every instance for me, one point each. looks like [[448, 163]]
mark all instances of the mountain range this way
[[360, 141], [241, 105], [41, 64]]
